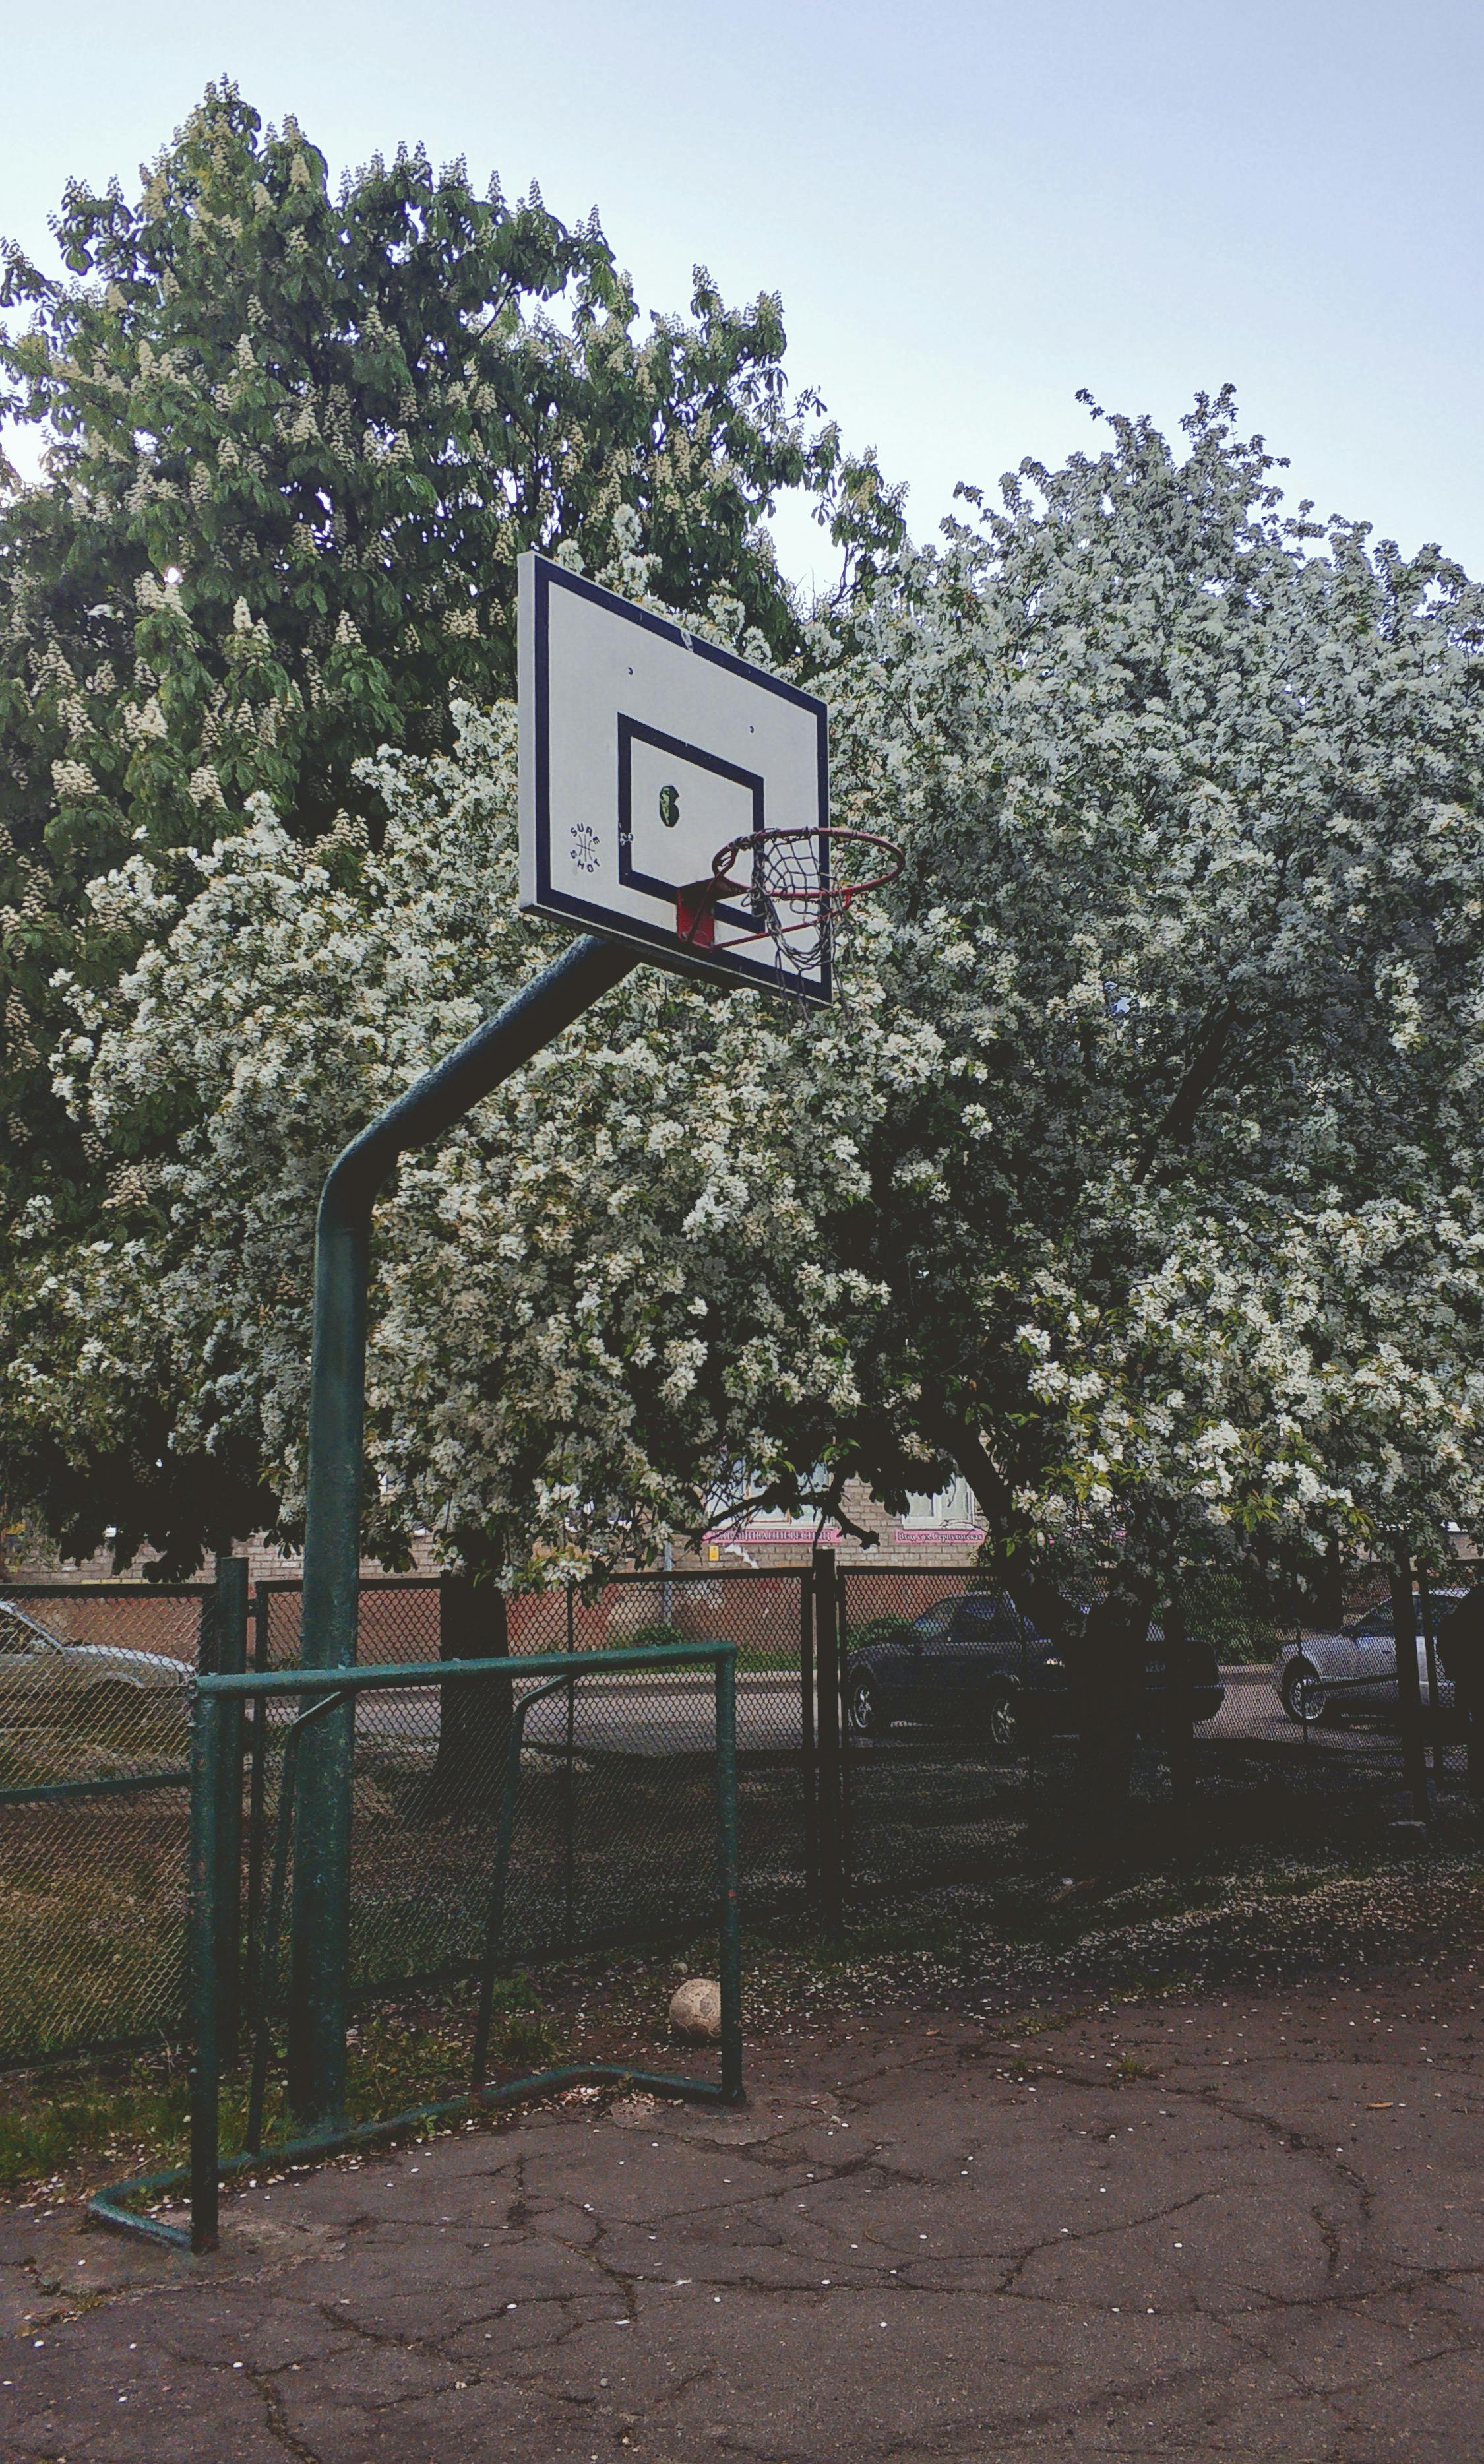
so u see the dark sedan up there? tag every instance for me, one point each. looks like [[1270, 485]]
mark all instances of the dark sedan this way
[[975, 1661]]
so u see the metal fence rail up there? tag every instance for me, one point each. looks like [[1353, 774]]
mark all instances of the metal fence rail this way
[[616, 1771], [614, 1811]]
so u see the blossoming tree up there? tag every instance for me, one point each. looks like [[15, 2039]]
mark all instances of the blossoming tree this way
[[1138, 1176], [611, 1283], [1185, 1239], [294, 441]]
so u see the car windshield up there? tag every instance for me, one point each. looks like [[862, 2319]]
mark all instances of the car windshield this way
[[17, 1633], [989, 1616], [1379, 1624]]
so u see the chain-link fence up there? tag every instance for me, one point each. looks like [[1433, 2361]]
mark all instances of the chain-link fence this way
[[961, 1722], [616, 1783], [94, 1697], [896, 1729], [615, 1812]]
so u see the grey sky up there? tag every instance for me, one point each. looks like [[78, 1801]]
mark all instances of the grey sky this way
[[971, 211]]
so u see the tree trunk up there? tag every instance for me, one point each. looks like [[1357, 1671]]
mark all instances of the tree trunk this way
[[473, 1718], [1104, 1657], [1106, 1666]]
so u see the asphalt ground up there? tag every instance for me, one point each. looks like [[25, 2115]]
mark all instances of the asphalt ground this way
[[1215, 2228]]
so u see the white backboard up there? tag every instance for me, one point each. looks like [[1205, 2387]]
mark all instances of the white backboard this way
[[643, 752]]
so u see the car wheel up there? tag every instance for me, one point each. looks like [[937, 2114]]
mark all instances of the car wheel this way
[[1305, 1697], [1002, 1720], [867, 1714]]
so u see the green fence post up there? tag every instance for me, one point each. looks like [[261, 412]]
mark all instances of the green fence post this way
[[258, 1783], [568, 1802], [1409, 1687], [828, 1757], [206, 1790], [730, 1928], [847, 1801], [1430, 1647], [808, 1771], [231, 1659], [1180, 1740]]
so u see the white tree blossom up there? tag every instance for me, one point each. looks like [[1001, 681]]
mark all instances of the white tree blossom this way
[[610, 1285], [1184, 1242], [1138, 1177]]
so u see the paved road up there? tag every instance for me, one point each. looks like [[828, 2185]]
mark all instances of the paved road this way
[[647, 1717], [664, 1716], [1250, 2228]]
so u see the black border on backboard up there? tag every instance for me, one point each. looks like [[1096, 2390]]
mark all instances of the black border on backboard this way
[[657, 945], [631, 730]]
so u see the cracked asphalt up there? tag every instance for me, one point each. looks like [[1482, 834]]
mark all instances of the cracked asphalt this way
[[1240, 2228]]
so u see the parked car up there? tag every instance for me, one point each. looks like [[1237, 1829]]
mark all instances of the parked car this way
[[1321, 1676], [975, 1659], [40, 1667]]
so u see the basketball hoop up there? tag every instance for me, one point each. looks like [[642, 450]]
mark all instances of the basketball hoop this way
[[799, 886]]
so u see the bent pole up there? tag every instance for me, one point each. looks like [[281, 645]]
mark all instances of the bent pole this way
[[332, 1538]]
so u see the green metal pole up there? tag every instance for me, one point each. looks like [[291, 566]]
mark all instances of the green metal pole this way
[[258, 1778], [846, 1741], [806, 1735], [1434, 1722], [568, 1809], [231, 1659], [206, 1779], [331, 1540], [1409, 1686], [828, 1761], [730, 1928]]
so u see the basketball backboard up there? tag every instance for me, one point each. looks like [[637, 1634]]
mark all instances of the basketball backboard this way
[[644, 752]]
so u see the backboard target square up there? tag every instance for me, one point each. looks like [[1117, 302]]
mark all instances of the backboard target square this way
[[644, 752]]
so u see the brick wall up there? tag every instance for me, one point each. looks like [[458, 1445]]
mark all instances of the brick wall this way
[[922, 1548]]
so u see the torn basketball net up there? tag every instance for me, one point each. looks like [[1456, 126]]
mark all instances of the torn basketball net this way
[[798, 887]]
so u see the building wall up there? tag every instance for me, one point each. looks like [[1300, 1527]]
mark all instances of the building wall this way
[[265, 1563], [921, 1541]]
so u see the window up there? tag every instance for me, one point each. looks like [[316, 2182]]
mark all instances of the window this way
[[952, 1506]]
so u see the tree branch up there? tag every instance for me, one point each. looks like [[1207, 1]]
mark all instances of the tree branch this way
[[1178, 1119]]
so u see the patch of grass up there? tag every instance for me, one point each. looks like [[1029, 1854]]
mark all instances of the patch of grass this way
[[93, 1941], [90, 2120], [54, 2124]]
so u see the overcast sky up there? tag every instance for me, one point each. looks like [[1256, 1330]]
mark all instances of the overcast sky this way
[[971, 211]]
